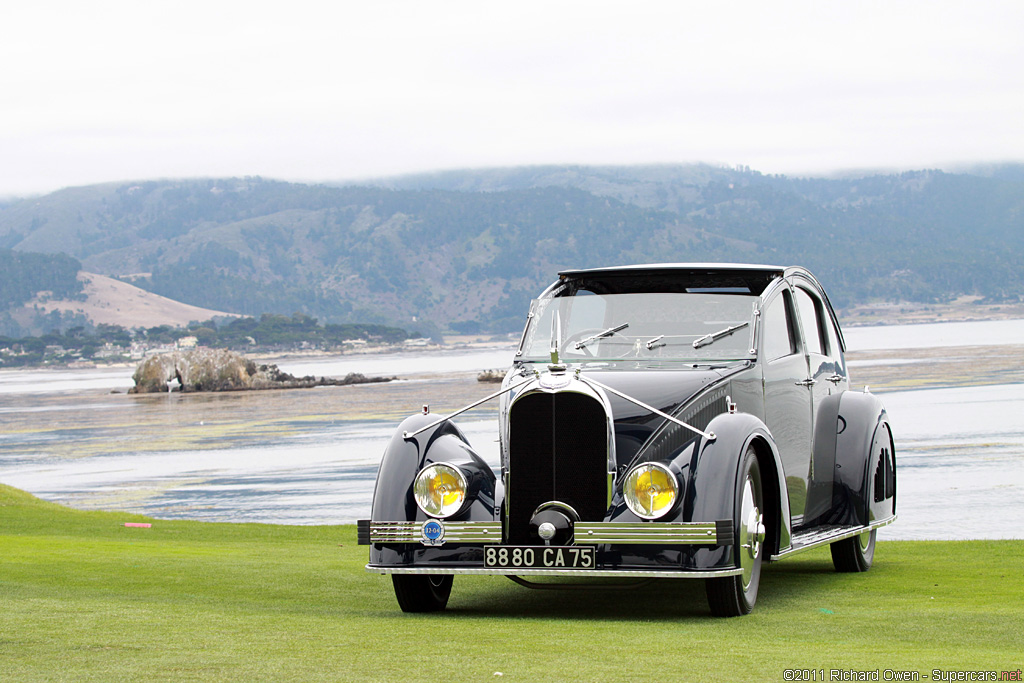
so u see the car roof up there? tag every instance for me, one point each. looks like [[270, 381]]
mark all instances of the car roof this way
[[680, 268], [676, 277]]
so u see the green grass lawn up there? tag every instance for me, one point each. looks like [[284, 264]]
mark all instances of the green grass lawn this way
[[84, 598]]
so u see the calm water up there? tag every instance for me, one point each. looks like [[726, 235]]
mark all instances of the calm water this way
[[310, 456], [933, 335]]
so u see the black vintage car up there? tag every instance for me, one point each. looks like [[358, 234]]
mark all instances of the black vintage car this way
[[658, 421]]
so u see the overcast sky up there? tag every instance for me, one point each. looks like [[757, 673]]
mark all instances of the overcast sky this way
[[99, 91]]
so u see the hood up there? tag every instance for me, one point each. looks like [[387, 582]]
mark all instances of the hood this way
[[665, 386]]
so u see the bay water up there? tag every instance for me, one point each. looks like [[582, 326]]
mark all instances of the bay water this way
[[310, 456]]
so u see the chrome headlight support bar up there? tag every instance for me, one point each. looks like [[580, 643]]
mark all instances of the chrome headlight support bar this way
[[710, 436], [460, 411]]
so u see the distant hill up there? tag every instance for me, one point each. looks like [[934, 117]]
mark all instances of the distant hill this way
[[24, 275], [466, 250], [106, 301], [31, 277]]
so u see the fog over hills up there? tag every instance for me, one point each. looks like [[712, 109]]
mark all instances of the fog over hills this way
[[466, 250]]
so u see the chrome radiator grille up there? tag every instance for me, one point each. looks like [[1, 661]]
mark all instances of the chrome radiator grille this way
[[558, 450]]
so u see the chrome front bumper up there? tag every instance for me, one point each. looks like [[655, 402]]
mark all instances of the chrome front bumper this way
[[577, 573], [589, 533]]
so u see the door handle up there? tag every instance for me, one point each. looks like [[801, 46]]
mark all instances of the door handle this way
[[806, 383], [836, 379]]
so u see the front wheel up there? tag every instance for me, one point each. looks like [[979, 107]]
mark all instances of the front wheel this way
[[422, 592], [854, 554], [734, 596]]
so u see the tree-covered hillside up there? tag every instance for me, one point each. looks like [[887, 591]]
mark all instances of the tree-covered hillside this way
[[466, 251], [23, 275]]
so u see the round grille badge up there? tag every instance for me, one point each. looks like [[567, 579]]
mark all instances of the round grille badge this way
[[432, 532]]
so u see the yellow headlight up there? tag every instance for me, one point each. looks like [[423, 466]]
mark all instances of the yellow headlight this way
[[650, 490], [440, 490]]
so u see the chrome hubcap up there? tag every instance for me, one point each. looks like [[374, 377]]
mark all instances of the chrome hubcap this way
[[752, 531]]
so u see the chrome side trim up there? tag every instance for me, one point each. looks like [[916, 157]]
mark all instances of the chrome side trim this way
[[674, 533], [832, 538], [454, 532], [578, 573]]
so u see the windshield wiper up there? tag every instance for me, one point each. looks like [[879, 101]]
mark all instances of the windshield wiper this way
[[652, 344], [715, 336], [607, 333]]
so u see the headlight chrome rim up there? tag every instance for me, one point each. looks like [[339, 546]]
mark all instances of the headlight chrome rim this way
[[661, 488], [440, 490]]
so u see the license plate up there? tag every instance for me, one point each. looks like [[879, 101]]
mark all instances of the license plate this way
[[539, 557]]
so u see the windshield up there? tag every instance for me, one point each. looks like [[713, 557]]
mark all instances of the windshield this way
[[670, 326]]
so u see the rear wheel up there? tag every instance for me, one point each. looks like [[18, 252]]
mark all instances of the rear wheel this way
[[422, 592], [733, 596], [854, 554]]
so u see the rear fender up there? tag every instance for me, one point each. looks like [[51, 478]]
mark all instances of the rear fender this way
[[714, 486], [860, 417]]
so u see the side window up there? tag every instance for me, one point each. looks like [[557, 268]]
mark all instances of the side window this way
[[778, 340], [833, 348], [810, 311]]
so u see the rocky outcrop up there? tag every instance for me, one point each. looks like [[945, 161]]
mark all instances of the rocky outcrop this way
[[491, 376], [223, 370]]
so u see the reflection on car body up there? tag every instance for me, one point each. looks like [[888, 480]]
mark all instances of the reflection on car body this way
[[658, 421]]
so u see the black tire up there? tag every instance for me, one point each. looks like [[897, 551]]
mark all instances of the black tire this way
[[422, 592], [734, 596], [854, 554]]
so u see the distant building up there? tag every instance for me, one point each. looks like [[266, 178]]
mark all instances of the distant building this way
[[159, 348], [188, 342], [109, 350]]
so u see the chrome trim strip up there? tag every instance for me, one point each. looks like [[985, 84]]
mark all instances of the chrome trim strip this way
[[833, 538], [681, 533], [526, 328], [454, 532], [579, 573]]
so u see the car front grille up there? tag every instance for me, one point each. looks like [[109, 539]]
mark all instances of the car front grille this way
[[558, 451]]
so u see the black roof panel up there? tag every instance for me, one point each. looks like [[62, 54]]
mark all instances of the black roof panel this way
[[675, 277]]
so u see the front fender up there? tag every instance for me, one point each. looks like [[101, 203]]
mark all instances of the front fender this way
[[403, 459], [714, 480]]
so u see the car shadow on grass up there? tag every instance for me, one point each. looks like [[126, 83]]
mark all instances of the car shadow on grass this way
[[783, 584]]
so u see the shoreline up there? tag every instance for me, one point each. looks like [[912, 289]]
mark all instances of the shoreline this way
[[963, 310]]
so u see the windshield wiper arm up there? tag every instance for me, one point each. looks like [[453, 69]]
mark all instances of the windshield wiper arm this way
[[607, 333], [652, 344], [715, 336]]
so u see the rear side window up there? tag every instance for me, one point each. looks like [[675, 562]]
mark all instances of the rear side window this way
[[778, 338], [810, 311]]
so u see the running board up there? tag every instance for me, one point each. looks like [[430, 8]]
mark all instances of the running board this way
[[826, 535]]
